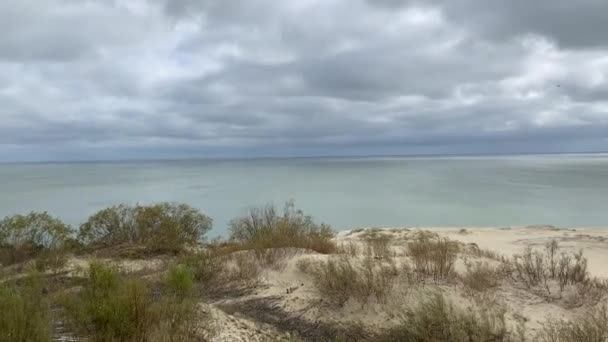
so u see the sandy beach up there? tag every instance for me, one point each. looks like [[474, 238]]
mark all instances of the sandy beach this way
[[292, 290]]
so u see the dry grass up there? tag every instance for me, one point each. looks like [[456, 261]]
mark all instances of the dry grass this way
[[437, 319], [433, 257], [591, 326], [339, 279], [473, 250], [263, 228], [479, 277], [378, 246], [350, 248], [222, 275]]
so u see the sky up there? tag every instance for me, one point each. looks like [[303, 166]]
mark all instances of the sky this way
[[145, 79]]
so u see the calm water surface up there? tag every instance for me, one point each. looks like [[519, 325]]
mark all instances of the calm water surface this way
[[563, 190]]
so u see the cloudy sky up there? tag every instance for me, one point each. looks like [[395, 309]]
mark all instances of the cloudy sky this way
[[103, 79]]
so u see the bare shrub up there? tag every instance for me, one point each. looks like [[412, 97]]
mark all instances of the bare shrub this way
[[23, 237], [265, 228], [551, 249], [591, 326], [304, 265], [349, 248], [434, 257], [244, 269], [473, 250], [163, 227], [530, 267], [437, 319], [562, 278], [378, 246], [336, 279], [479, 277], [206, 266], [221, 275], [339, 280]]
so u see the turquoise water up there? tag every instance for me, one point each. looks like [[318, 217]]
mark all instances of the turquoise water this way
[[562, 190]]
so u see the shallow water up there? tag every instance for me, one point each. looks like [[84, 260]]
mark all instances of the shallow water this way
[[562, 190]]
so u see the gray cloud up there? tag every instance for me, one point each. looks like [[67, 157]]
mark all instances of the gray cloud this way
[[108, 79]]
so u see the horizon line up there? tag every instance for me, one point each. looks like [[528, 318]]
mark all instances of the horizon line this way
[[429, 155]]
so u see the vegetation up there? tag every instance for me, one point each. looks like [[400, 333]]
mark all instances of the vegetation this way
[[113, 307], [23, 237], [168, 301], [339, 280], [264, 227], [437, 319], [433, 257], [24, 312], [479, 277], [592, 326], [164, 227]]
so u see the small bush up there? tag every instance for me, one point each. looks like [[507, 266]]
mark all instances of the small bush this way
[[24, 312], [378, 246], [479, 277], [25, 236], [434, 257], [339, 280], [350, 248], [592, 326], [534, 268], [53, 260], [473, 250], [530, 267], [112, 307], [180, 280], [436, 319], [164, 227], [207, 267], [265, 228]]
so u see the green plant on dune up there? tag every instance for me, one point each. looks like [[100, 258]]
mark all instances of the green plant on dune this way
[[163, 227]]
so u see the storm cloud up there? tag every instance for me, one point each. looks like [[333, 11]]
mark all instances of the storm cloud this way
[[102, 79]]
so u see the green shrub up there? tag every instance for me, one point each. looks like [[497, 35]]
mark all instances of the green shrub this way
[[180, 280], [164, 227], [113, 307], [206, 266], [24, 312], [25, 236], [265, 228]]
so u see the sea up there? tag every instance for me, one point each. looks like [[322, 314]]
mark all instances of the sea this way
[[565, 190]]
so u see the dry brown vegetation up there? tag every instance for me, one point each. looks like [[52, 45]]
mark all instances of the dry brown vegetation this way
[[264, 227], [433, 257], [286, 271], [479, 277], [591, 326], [339, 279], [435, 318]]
